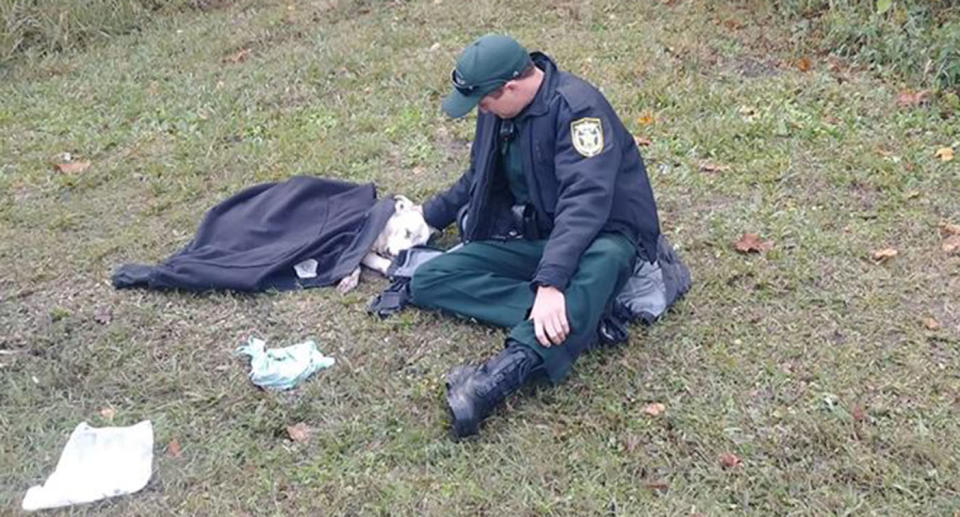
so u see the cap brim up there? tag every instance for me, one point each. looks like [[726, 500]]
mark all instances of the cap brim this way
[[457, 104]]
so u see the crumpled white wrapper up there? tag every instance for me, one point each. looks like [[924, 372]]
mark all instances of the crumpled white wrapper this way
[[96, 464]]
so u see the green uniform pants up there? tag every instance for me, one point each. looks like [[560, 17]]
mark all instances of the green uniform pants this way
[[490, 281]]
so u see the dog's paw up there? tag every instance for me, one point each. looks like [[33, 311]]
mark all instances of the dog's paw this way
[[349, 282], [376, 263]]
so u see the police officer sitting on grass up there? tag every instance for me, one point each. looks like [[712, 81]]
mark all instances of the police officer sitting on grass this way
[[554, 208]]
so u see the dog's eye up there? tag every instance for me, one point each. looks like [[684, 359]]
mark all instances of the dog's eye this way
[[409, 234]]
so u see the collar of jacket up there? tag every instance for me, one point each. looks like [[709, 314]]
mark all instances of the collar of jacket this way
[[540, 103]]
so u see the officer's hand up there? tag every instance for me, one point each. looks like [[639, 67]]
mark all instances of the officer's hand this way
[[549, 315]]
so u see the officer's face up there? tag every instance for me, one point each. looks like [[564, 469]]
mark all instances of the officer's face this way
[[504, 102]]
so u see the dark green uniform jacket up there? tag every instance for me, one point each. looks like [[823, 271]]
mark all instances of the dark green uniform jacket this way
[[583, 171]]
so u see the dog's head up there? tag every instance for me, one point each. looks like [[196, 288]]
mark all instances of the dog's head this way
[[405, 229]]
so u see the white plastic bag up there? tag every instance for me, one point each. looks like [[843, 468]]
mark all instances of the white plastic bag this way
[[96, 464]]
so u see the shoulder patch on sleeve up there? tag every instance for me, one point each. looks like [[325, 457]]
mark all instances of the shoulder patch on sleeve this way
[[587, 136]]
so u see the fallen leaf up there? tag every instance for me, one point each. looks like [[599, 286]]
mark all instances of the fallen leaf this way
[[173, 448], [908, 98], [834, 65], [930, 323], [657, 486], [751, 242], [729, 460], [641, 141], [951, 244], [435, 47], [237, 57], [803, 64], [108, 413], [103, 315], [72, 167], [884, 254], [299, 432], [857, 413], [713, 167], [654, 409], [733, 24], [945, 154], [949, 229], [646, 119]]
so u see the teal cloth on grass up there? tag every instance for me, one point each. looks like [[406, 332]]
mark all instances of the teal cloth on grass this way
[[283, 368]]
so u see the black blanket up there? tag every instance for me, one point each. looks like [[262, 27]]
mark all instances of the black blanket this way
[[251, 241]]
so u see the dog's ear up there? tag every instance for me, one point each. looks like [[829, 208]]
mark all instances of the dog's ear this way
[[401, 203]]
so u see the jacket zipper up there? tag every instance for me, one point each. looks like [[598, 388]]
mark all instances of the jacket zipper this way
[[484, 187]]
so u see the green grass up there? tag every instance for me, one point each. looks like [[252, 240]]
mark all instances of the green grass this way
[[916, 40], [771, 357], [30, 29]]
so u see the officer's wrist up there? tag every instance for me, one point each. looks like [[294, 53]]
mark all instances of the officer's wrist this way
[[542, 286]]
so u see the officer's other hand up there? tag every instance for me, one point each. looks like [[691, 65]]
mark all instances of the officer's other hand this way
[[549, 315]]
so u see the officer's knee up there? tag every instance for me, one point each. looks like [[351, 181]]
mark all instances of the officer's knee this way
[[609, 250]]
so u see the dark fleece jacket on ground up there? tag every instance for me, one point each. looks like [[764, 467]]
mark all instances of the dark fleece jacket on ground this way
[[251, 241]]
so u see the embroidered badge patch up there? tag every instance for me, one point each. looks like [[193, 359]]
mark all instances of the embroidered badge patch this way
[[587, 135]]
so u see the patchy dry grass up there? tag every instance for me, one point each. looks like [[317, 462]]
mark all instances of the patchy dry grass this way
[[810, 362]]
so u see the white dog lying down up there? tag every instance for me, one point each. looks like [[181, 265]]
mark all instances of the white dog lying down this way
[[405, 229]]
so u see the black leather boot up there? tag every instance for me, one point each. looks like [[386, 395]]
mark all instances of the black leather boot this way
[[474, 391]]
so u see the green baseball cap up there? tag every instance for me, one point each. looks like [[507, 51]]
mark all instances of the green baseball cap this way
[[485, 65]]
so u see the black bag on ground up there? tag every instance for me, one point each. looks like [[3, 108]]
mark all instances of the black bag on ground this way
[[397, 295], [653, 287]]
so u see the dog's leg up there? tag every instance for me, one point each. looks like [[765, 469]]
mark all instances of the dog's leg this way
[[348, 282], [376, 263]]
